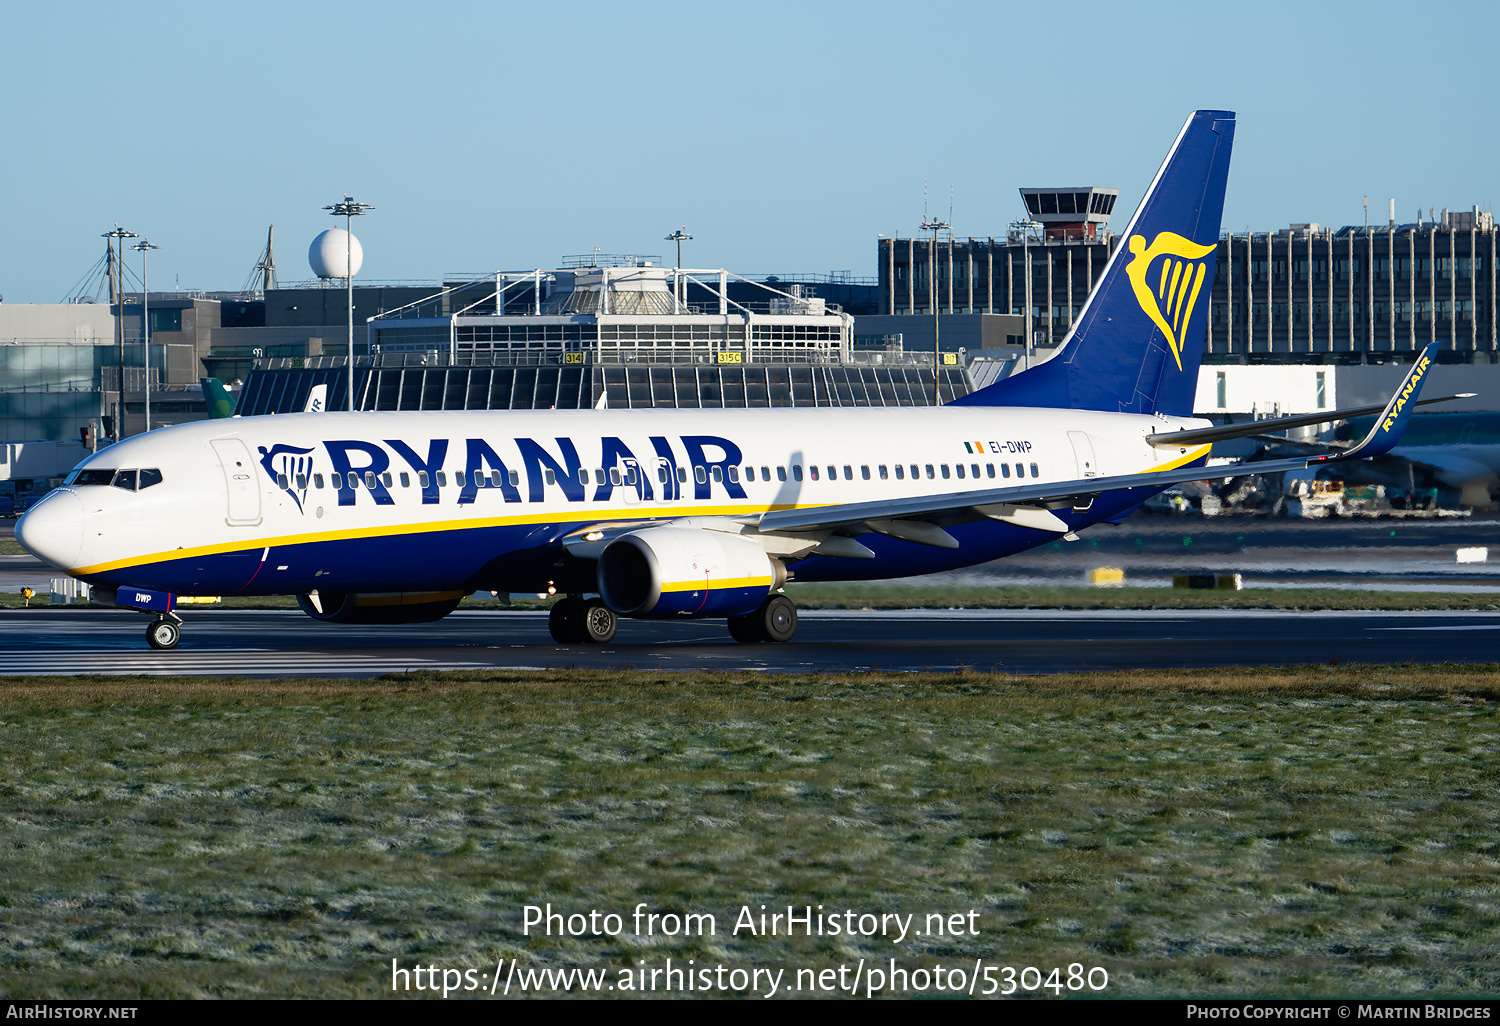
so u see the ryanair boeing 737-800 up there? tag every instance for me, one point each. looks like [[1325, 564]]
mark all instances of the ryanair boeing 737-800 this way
[[393, 517]]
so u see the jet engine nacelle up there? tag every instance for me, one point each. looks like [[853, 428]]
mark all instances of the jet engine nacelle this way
[[384, 607], [662, 572]]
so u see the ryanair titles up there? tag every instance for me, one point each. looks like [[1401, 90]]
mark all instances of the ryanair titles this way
[[542, 469]]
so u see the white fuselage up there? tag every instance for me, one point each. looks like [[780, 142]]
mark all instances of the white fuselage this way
[[276, 491]]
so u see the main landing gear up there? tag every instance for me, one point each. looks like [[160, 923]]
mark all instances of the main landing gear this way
[[164, 632], [578, 621], [775, 620], [575, 621]]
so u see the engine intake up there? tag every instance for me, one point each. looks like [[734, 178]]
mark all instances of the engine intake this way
[[663, 572]]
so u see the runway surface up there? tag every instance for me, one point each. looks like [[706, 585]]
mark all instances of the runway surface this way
[[278, 644]]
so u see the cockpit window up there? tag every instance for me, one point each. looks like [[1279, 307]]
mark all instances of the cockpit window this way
[[149, 476], [124, 479], [93, 477]]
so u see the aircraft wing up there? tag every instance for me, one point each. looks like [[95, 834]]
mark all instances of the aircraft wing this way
[[1027, 504], [999, 502]]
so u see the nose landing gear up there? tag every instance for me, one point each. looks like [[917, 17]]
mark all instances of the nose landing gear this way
[[164, 632]]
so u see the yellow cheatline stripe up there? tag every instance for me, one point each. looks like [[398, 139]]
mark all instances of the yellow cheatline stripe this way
[[640, 512], [713, 584], [1181, 461]]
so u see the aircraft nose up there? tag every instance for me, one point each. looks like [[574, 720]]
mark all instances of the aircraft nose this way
[[52, 530]]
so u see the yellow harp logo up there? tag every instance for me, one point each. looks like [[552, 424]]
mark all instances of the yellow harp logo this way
[[1170, 303]]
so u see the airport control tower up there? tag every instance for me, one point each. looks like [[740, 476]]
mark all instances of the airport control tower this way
[[1073, 213]]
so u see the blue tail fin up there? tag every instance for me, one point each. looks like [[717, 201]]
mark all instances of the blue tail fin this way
[[1138, 341]]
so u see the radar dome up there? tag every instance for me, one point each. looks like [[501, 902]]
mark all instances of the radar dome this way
[[333, 251]]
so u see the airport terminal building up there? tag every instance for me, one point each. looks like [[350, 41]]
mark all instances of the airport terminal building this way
[[1303, 294]]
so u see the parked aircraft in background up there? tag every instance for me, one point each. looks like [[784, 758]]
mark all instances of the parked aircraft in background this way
[[393, 517], [1459, 452]]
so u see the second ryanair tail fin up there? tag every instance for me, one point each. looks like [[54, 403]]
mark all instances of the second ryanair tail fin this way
[[1138, 341]]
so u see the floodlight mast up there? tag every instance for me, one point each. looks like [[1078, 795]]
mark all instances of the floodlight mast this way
[[679, 293], [144, 247], [349, 208], [117, 285], [1026, 228], [935, 226]]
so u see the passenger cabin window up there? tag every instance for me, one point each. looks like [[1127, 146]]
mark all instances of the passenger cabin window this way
[[930, 473], [370, 480], [421, 478], [960, 469], [126, 479], [990, 469], [385, 479], [682, 475], [797, 471], [883, 472], [1005, 470], [812, 470], [515, 478], [719, 475], [945, 471], [700, 474], [614, 475], [151, 476], [94, 477], [734, 474], [442, 478], [900, 472], [661, 475], [765, 473], [1020, 470], [974, 469], [833, 473], [780, 473], [1034, 471], [915, 473], [282, 482], [494, 479], [318, 481], [337, 480], [550, 476], [301, 481], [405, 480]]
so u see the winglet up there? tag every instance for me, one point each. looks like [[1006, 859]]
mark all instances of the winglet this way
[[1389, 426]]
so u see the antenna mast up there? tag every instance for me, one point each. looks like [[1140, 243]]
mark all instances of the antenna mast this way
[[267, 264]]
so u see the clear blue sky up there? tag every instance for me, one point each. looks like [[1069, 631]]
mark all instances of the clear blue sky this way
[[785, 136]]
